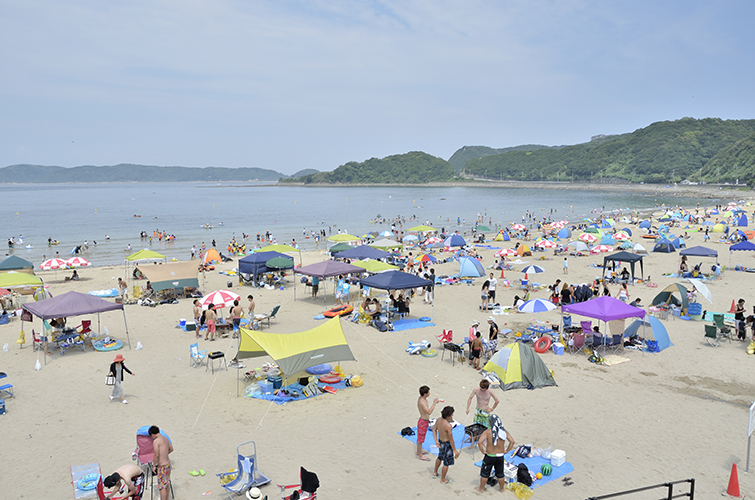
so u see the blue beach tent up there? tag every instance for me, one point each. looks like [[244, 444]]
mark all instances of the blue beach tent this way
[[742, 220], [469, 267], [564, 233], [455, 240], [679, 243], [650, 328], [607, 240], [664, 245], [645, 224]]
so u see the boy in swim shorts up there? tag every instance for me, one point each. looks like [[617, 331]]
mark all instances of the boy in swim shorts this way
[[494, 443], [447, 452], [424, 420], [132, 478]]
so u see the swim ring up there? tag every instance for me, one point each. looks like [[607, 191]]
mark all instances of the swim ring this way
[[319, 369], [539, 348], [113, 345], [425, 318], [338, 311], [88, 482], [330, 378], [429, 353]]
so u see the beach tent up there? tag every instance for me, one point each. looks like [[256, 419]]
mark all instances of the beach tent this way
[[145, 254], [339, 247], [483, 229], [524, 251], [469, 267], [15, 263], [295, 352], [172, 275], [700, 251], [374, 266], [631, 258], [363, 252], [638, 248], [607, 240], [719, 228], [75, 304], [519, 367], [254, 264], [679, 243], [502, 236], [211, 256], [645, 224], [579, 246], [668, 296], [564, 233], [650, 328], [455, 240], [742, 220], [386, 244], [626, 230], [664, 246]]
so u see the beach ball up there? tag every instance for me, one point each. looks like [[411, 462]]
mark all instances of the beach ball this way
[[546, 469], [539, 475]]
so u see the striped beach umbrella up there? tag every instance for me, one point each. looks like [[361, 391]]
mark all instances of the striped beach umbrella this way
[[506, 252], [220, 298], [602, 248], [533, 269], [588, 237], [546, 244], [50, 264], [536, 306], [621, 236], [78, 262], [518, 227]]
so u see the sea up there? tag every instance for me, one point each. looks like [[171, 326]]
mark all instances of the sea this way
[[110, 217]]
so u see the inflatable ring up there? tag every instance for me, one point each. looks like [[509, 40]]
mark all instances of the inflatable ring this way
[[539, 344], [425, 318], [319, 369], [88, 482], [429, 353], [338, 311], [330, 378]]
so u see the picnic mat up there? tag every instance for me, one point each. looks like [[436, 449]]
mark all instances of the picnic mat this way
[[77, 473], [613, 359], [104, 293], [410, 324], [281, 400], [429, 444], [534, 464]]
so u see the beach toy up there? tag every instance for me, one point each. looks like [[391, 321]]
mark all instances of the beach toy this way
[[338, 311], [546, 469], [319, 369], [425, 318], [429, 353], [542, 344], [88, 482], [330, 378], [320, 316], [415, 348], [539, 475]]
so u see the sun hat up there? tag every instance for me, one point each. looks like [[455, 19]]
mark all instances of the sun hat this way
[[118, 357], [475, 322], [490, 318], [254, 494]]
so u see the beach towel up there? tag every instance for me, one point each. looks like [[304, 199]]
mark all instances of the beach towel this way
[[534, 464], [429, 443], [410, 324]]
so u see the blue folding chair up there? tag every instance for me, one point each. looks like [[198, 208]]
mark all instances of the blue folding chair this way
[[246, 475]]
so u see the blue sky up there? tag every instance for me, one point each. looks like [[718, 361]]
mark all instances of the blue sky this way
[[287, 85]]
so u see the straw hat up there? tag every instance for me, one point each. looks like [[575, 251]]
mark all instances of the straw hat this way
[[118, 358], [254, 494]]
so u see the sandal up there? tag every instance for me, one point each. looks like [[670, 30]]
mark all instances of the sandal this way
[[194, 473], [424, 458], [436, 476], [448, 481], [568, 483]]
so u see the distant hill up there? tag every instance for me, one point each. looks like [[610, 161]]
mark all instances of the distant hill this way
[[733, 163], [131, 173], [414, 167], [662, 152], [460, 158], [302, 173]]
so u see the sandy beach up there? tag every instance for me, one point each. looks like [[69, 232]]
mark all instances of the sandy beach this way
[[678, 414]]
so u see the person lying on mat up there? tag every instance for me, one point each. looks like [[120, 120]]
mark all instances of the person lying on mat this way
[[132, 477], [494, 443]]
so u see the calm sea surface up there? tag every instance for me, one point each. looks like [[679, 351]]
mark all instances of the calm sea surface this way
[[78, 212]]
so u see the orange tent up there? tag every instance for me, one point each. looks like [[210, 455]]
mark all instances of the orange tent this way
[[524, 251], [212, 255]]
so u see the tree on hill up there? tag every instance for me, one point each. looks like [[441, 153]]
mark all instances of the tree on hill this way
[[734, 163], [462, 155]]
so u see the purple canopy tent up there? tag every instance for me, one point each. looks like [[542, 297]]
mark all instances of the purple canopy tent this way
[[326, 269], [603, 308], [74, 304]]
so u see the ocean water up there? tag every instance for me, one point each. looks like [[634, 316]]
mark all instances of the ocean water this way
[[73, 213]]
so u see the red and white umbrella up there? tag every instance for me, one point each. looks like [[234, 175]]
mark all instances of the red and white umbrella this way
[[559, 225], [431, 240], [53, 264], [621, 236], [588, 237], [78, 262], [220, 298], [602, 248], [506, 252], [518, 227], [546, 244]]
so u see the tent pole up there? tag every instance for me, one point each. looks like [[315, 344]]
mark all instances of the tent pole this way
[[99, 328], [47, 340], [125, 323]]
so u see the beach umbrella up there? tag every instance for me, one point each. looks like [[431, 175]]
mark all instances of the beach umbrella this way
[[77, 262], [50, 264], [386, 234], [426, 258], [340, 247], [221, 299], [433, 239], [700, 287], [546, 244], [533, 269], [536, 306], [518, 227], [506, 252], [280, 263], [621, 236], [454, 240], [588, 238], [423, 229], [344, 237], [602, 248], [411, 237]]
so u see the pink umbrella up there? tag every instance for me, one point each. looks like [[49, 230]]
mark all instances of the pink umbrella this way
[[546, 244], [602, 248], [588, 237], [78, 262], [221, 299], [53, 264], [518, 227], [506, 252]]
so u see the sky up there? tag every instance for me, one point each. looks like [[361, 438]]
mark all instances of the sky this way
[[287, 85]]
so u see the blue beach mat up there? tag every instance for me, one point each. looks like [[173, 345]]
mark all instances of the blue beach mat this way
[[534, 465], [429, 444], [298, 388], [104, 293], [410, 324]]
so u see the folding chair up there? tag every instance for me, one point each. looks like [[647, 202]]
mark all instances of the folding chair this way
[[446, 336], [711, 335], [617, 343], [144, 454], [37, 343], [307, 490], [577, 343], [586, 327], [85, 327], [246, 474], [723, 330], [268, 317], [197, 357]]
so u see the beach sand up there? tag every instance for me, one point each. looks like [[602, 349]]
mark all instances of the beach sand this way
[[678, 414]]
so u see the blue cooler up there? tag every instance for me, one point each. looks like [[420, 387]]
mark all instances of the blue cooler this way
[[276, 380], [558, 349]]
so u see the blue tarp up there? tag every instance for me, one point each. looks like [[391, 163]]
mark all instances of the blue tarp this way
[[469, 267], [395, 280]]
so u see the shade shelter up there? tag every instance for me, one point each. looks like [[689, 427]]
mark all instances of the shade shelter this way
[[424, 229], [15, 279], [280, 248], [700, 251], [386, 244], [605, 309], [172, 275], [15, 263], [75, 304], [741, 247], [339, 247], [145, 254], [396, 280], [363, 252], [630, 258], [375, 266], [254, 264], [326, 269]]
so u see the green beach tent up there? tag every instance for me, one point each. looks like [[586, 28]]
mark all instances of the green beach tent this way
[[519, 367]]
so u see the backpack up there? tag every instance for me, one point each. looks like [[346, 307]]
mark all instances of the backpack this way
[[523, 475]]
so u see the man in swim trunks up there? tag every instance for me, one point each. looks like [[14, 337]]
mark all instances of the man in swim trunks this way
[[133, 479], [483, 409], [494, 443], [424, 420], [476, 349], [236, 312], [197, 317], [161, 464], [447, 452], [210, 317]]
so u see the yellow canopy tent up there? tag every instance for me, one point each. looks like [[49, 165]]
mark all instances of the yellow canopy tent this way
[[374, 266]]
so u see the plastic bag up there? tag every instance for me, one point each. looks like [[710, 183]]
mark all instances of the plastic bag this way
[[139, 346], [520, 490], [38, 365], [251, 389]]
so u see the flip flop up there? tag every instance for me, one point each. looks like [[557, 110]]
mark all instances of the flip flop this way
[[566, 478], [194, 473], [448, 481], [201, 472], [436, 476], [424, 458], [568, 483]]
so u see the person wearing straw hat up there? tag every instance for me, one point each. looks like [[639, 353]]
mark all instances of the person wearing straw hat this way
[[117, 367]]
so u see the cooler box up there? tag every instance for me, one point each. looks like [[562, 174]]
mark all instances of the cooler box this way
[[558, 458], [191, 327], [558, 349], [509, 472], [695, 311], [265, 386], [276, 381], [182, 322]]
